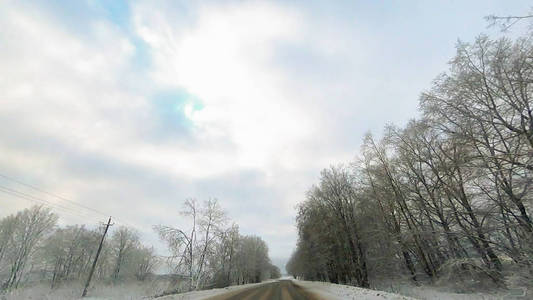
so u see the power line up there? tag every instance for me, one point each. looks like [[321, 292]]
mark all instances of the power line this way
[[44, 202], [12, 191], [52, 194], [64, 210], [119, 220]]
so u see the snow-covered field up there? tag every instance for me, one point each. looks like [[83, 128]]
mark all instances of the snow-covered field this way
[[124, 291]]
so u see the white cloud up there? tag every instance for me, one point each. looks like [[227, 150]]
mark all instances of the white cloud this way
[[226, 59], [63, 85]]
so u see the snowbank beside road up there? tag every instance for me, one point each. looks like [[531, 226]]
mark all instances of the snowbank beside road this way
[[331, 291], [323, 290], [199, 295]]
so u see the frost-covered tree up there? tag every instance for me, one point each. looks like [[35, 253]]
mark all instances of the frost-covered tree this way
[[123, 243], [191, 247], [447, 196], [209, 254], [23, 232]]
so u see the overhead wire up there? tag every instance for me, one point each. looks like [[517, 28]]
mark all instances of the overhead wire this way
[[44, 202], [117, 220], [52, 194]]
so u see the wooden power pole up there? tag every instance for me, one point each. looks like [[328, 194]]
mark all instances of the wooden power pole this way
[[96, 259]]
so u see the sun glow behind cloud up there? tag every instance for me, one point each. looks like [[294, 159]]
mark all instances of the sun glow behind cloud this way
[[225, 59]]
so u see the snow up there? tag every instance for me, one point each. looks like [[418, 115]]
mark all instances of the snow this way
[[126, 291], [198, 295], [404, 291], [70, 291], [324, 290], [441, 293], [330, 291]]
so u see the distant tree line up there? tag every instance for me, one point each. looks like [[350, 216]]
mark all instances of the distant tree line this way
[[208, 253], [449, 194], [33, 248]]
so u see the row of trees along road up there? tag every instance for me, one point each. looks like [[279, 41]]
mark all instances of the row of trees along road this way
[[448, 194], [206, 254], [209, 253], [33, 248]]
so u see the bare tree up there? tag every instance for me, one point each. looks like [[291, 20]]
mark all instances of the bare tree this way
[[209, 254], [67, 254], [146, 261], [31, 225], [190, 247], [124, 242], [506, 22]]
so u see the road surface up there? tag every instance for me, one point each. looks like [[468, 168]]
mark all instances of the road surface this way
[[279, 290]]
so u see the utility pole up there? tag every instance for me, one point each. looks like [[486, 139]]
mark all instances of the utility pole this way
[[96, 259]]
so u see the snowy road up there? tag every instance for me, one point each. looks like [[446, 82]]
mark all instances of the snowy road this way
[[286, 289], [279, 290]]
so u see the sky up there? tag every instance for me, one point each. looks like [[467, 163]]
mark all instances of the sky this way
[[130, 107]]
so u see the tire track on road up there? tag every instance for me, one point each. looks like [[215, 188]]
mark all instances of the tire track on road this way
[[279, 290]]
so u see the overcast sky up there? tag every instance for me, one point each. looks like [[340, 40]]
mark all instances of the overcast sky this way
[[131, 107]]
